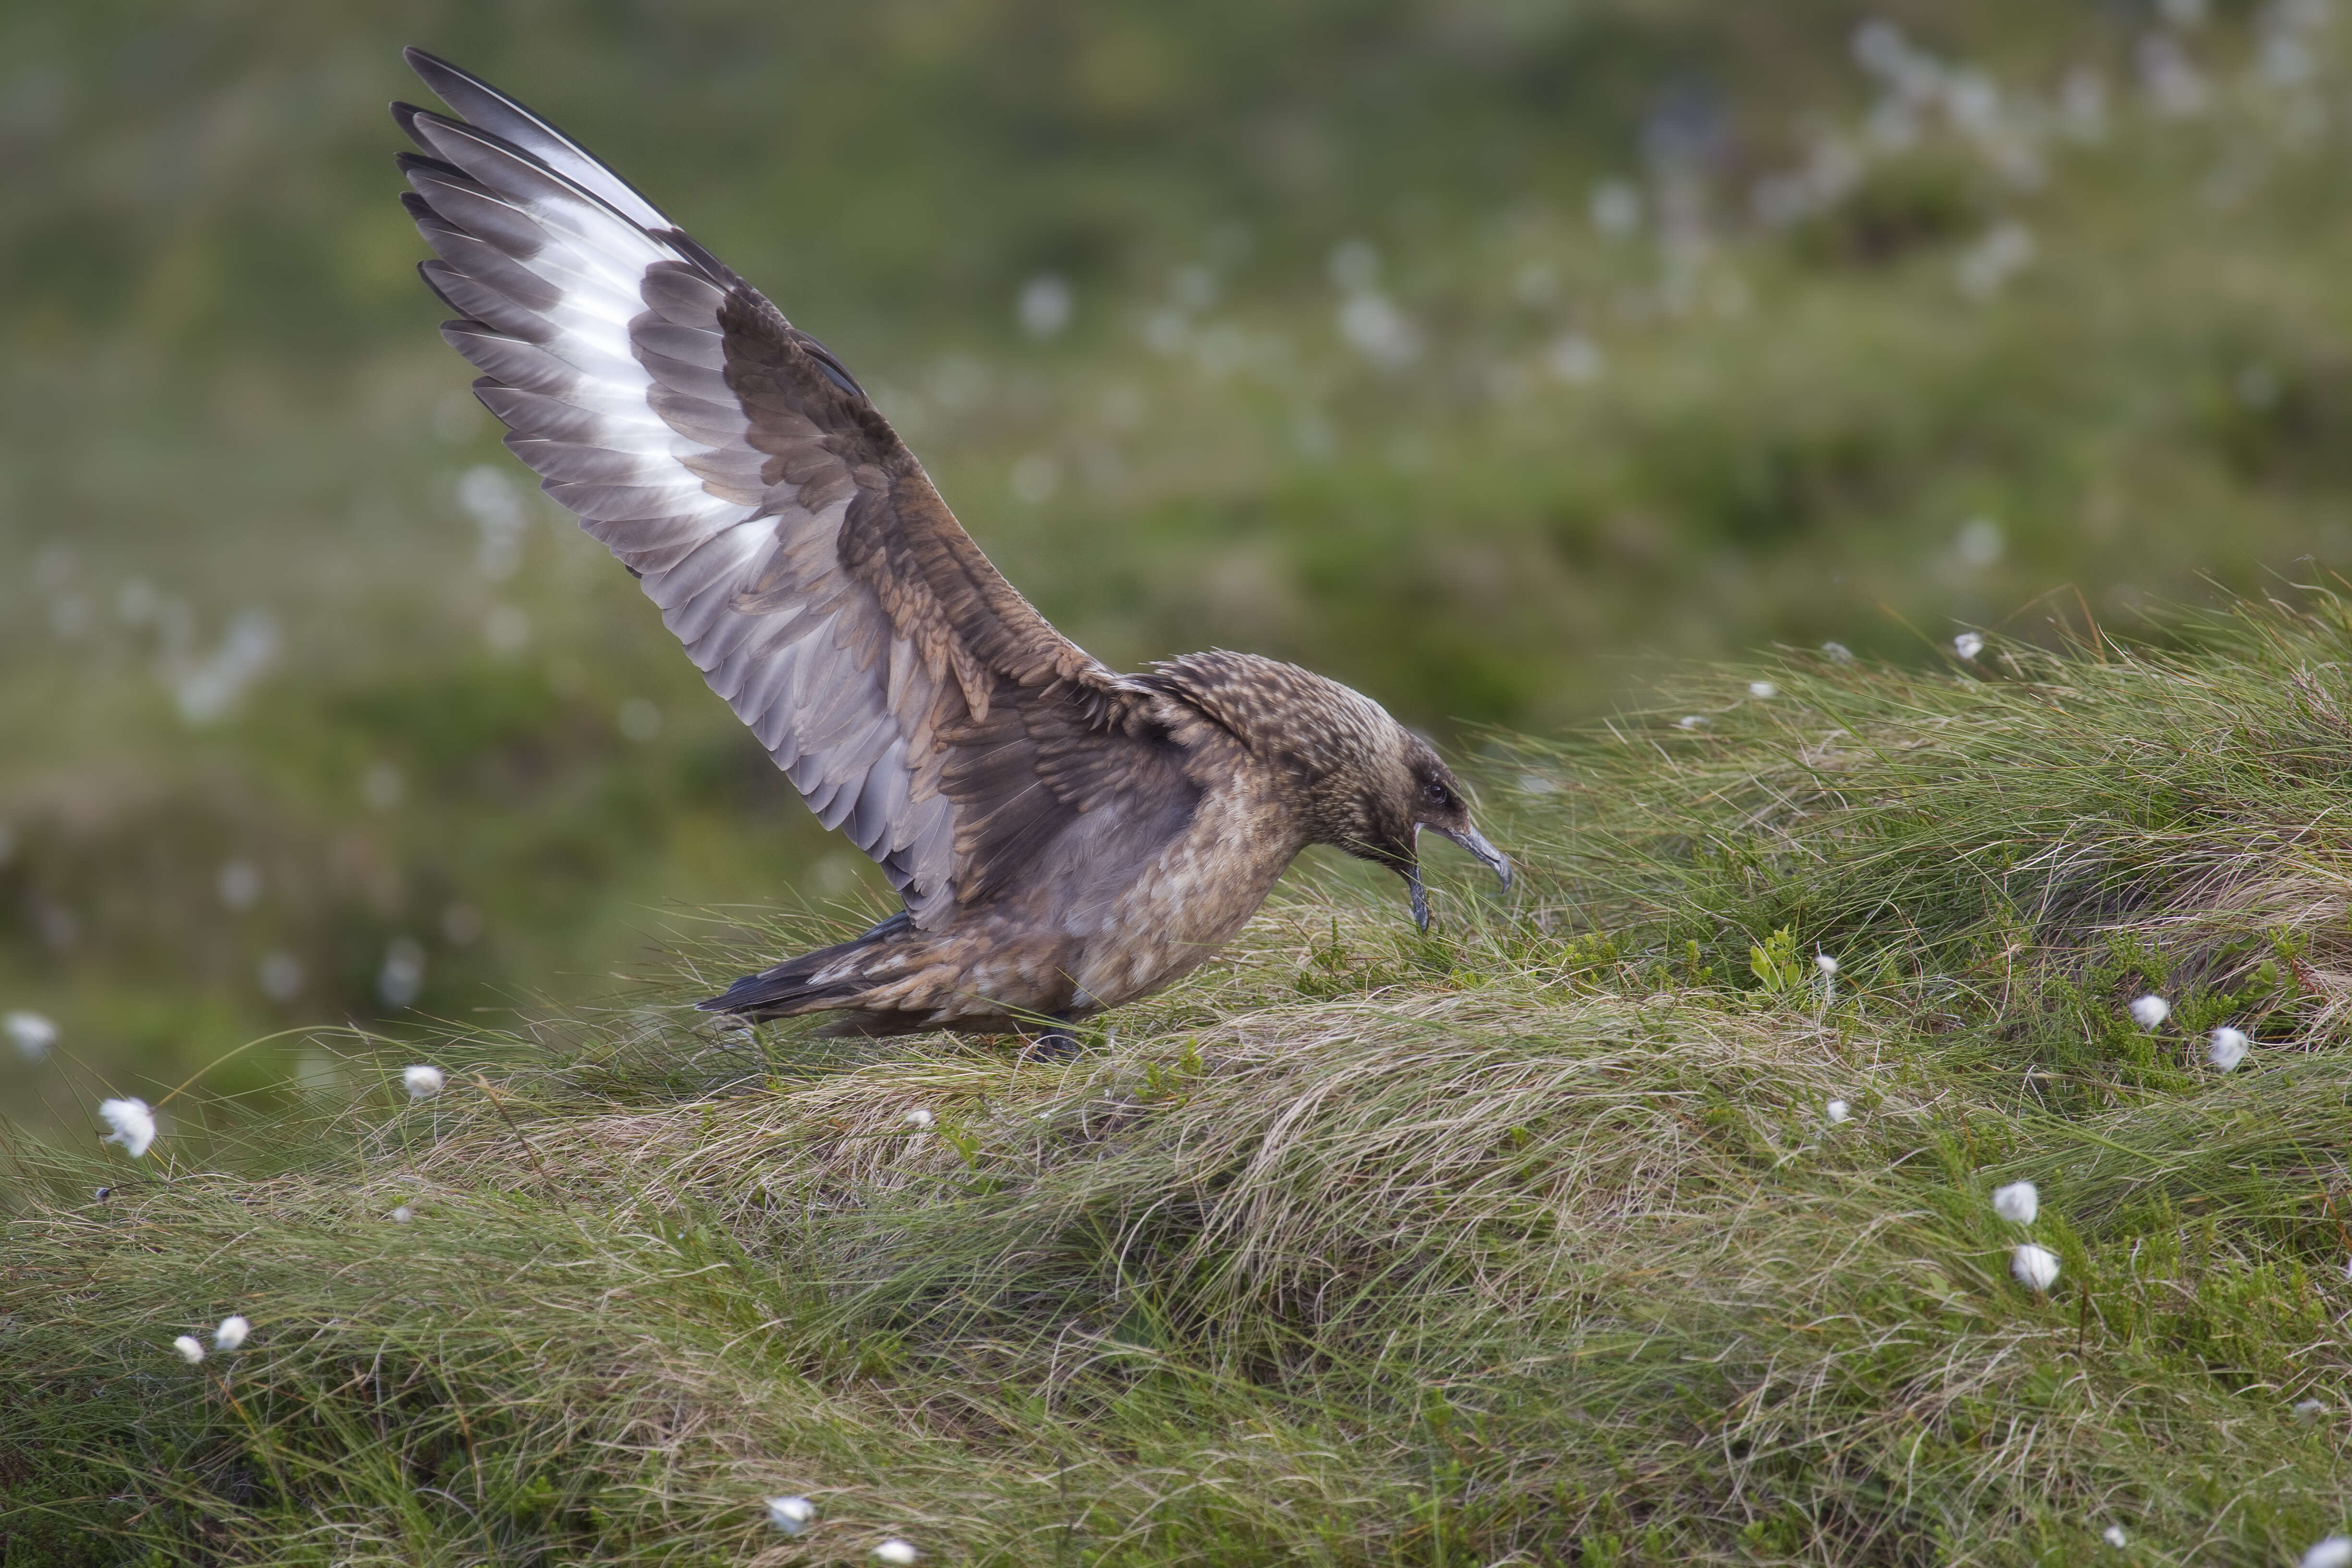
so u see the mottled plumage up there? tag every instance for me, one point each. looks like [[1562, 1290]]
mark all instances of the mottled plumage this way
[[1064, 838]]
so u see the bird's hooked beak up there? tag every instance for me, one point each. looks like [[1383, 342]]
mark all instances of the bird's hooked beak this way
[[1473, 840]]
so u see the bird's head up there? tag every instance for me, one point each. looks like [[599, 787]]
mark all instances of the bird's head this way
[[1381, 805], [1355, 778]]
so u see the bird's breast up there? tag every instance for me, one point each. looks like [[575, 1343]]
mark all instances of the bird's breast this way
[[1192, 897]]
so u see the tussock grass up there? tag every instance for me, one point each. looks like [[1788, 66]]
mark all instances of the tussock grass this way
[[1529, 1242]]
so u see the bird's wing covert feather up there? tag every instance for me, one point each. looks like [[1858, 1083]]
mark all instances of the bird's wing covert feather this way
[[794, 545]]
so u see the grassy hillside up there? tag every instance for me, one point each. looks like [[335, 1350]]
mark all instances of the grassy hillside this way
[[1489, 356], [1532, 1241]]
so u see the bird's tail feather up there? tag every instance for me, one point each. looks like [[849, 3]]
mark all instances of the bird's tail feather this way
[[809, 984]]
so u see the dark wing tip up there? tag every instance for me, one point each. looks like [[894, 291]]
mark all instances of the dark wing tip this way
[[441, 75], [430, 270], [483, 111], [428, 66], [408, 162]]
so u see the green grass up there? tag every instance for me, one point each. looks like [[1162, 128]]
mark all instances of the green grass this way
[[1527, 1242]]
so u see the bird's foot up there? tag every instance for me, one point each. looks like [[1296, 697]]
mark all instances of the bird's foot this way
[[1058, 1044]]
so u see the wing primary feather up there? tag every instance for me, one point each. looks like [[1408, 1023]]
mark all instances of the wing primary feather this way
[[485, 106], [488, 263], [478, 301]]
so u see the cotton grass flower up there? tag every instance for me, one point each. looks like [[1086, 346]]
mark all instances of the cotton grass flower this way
[[191, 1348], [134, 1124], [1968, 645], [1762, 690], [896, 1550], [2335, 1551], [1826, 964], [918, 1116], [402, 1215], [2226, 1049], [2310, 1409], [2017, 1203], [232, 1332], [33, 1034], [1985, 267], [1837, 1110], [2148, 1012], [423, 1083], [2036, 1268], [2114, 1536], [1692, 722], [790, 1514]]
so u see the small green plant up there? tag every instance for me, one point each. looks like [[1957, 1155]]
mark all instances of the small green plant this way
[[1595, 953], [1775, 964]]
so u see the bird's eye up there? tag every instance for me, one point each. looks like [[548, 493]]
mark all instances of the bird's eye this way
[[1434, 793]]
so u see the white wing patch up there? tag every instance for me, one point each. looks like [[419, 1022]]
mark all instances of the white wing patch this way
[[597, 326]]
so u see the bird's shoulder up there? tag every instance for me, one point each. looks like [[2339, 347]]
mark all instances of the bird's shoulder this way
[[1278, 713]]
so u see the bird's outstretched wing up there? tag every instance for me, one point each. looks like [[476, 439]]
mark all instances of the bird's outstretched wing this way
[[794, 545]]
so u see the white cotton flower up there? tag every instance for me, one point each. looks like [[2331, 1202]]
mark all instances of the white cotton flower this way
[[2114, 1536], [1979, 543], [790, 1514], [1576, 360], [1837, 1110], [1839, 653], [402, 1215], [1762, 690], [134, 1124], [2149, 1011], [896, 1550], [1046, 305], [1616, 209], [232, 1331], [2226, 1049], [1825, 963], [423, 1082], [2310, 1409], [2036, 1268], [402, 979], [1692, 722], [918, 1116], [33, 1034], [2335, 1551], [1968, 645], [2017, 1203], [191, 1348]]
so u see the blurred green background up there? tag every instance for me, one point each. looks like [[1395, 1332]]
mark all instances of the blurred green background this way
[[1485, 354]]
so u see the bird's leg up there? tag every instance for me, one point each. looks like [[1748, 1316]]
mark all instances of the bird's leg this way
[[1056, 1043]]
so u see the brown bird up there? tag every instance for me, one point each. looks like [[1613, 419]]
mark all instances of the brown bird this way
[[1064, 838]]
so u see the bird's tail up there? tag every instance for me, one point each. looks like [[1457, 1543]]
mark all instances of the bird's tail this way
[[809, 984]]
